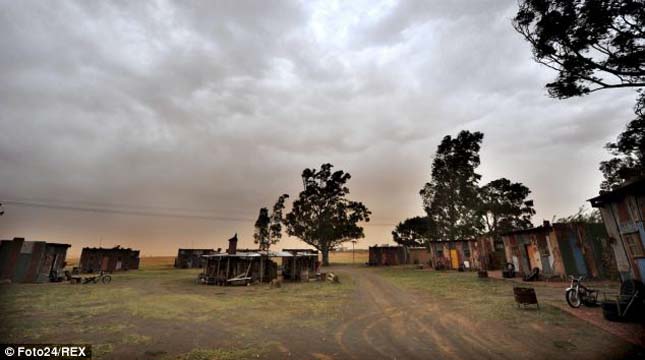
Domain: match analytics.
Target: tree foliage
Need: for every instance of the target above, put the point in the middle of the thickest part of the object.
(583, 215)
(629, 155)
(451, 197)
(505, 206)
(322, 216)
(414, 231)
(268, 227)
(593, 44)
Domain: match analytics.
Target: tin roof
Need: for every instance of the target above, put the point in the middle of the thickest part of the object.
(251, 254)
(633, 187)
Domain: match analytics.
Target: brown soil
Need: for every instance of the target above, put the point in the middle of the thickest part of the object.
(387, 322)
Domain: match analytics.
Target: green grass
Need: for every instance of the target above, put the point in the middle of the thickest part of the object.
(121, 312)
(480, 299)
(220, 354)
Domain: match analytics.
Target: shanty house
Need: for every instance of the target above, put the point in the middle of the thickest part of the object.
(419, 255)
(387, 255)
(108, 259)
(192, 258)
(30, 261)
(560, 250)
(301, 265)
(454, 254)
(491, 252)
(623, 214)
(241, 266)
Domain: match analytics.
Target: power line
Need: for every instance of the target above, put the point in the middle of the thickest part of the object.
(132, 210)
(113, 205)
(124, 211)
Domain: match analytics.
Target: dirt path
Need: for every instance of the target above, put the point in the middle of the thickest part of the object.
(386, 322)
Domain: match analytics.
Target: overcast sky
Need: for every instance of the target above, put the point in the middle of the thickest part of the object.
(213, 109)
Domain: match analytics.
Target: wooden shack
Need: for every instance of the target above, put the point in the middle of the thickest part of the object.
(560, 249)
(419, 256)
(301, 266)
(623, 214)
(30, 261)
(108, 259)
(192, 258)
(387, 255)
(455, 254)
(241, 267)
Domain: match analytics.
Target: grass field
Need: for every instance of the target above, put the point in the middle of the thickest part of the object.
(482, 299)
(488, 304)
(161, 312)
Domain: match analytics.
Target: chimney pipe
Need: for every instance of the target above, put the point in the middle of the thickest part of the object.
(232, 245)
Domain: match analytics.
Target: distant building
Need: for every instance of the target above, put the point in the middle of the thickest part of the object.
(30, 261)
(108, 259)
(387, 255)
(623, 211)
(561, 249)
(192, 258)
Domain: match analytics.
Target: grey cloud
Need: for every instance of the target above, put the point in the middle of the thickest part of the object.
(220, 105)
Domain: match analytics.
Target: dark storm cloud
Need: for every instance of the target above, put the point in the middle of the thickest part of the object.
(219, 105)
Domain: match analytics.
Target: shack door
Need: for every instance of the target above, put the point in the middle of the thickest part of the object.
(454, 258)
(574, 263)
(533, 257)
(104, 263)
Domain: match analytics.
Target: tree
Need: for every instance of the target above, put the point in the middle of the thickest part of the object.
(583, 215)
(412, 232)
(629, 156)
(593, 45)
(451, 197)
(505, 206)
(268, 228)
(322, 216)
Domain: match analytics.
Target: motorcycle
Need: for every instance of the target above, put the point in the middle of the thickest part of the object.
(578, 294)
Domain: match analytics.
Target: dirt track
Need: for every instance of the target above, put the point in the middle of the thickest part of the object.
(387, 322)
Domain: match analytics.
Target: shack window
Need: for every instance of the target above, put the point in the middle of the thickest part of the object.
(466, 250)
(439, 249)
(634, 244)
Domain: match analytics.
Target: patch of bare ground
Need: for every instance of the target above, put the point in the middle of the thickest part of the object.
(469, 318)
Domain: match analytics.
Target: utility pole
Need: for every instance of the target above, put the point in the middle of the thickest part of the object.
(353, 253)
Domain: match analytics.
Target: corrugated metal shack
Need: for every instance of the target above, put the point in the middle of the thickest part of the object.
(623, 212)
(560, 250)
(387, 255)
(108, 259)
(491, 252)
(419, 255)
(241, 266)
(440, 254)
(302, 265)
(30, 261)
(455, 254)
(192, 258)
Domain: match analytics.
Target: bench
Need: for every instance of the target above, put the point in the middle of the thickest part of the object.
(525, 296)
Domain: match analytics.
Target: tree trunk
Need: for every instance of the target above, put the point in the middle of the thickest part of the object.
(325, 256)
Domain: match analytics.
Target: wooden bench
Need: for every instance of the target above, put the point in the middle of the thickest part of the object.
(525, 296)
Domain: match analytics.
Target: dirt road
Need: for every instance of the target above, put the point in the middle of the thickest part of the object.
(388, 322)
